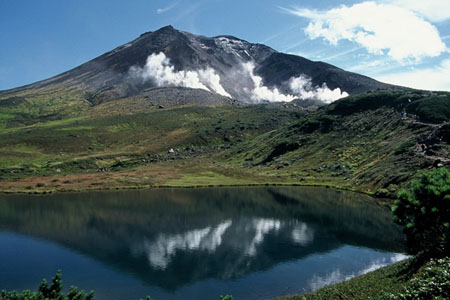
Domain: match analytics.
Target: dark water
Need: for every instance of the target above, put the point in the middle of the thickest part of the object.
(252, 243)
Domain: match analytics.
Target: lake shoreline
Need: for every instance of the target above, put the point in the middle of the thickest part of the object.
(376, 284)
(37, 191)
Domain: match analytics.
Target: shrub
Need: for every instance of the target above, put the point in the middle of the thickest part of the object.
(309, 125)
(424, 213)
(434, 109)
(433, 283)
(404, 147)
(52, 292)
(364, 102)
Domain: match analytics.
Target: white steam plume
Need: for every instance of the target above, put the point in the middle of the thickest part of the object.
(301, 88)
(159, 69)
(262, 92)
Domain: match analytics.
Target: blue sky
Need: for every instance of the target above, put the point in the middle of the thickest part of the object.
(400, 41)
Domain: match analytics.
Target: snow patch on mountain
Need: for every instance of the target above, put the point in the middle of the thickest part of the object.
(236, 47)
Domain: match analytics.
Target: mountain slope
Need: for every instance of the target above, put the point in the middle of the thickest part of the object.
(365, 142)
(108, 76)
(113, 116)
(362, 143)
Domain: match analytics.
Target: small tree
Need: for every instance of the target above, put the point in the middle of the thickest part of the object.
(424, 213)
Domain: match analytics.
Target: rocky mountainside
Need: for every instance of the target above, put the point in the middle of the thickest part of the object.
(224, 67)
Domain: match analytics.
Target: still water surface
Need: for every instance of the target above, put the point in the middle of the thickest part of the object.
(252, 243)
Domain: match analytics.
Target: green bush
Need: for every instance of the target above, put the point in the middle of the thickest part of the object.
(404, 147)
(434, 109)
(52, 292)
(424, 213)
(433, 283)
(326, 123)
(364, 102)
(308, 125)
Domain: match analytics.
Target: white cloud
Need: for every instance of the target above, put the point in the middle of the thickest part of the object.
(433, 10)
(160, 11)
(159, 69)
(379, 28)
(428, 78)
(344, 53)
(362, 66)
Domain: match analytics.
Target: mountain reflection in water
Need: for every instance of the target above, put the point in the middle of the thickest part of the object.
(250, 233)
(173, 238)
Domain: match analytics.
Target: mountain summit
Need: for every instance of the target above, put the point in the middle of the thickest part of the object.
(171, 64)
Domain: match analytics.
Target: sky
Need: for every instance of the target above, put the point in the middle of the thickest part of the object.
(404, 42)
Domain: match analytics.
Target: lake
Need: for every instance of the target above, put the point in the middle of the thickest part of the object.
(252, 243)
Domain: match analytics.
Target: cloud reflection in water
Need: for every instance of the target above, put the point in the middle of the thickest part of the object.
(338, 275)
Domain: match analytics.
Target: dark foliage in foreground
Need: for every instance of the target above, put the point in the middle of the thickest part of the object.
(433, 282)
(52, 292)
(424, 213)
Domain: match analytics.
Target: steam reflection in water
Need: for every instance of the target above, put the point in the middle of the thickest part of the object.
(252, 232)
(252, 243)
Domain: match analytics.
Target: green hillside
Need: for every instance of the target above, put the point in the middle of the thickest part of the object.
(363, 142)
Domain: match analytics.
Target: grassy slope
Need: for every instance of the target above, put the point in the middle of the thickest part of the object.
(358, 143)
(129, 141)
(404, 280)
(373, 285)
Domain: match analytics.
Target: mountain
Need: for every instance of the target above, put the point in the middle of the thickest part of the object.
(224, 67)
(170, 109)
